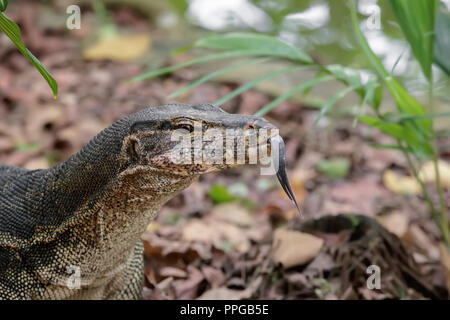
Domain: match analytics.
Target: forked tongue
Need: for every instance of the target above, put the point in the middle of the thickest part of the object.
(281, 172)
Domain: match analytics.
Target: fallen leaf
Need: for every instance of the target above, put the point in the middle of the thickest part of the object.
(167, 272)
(233, 212)
(293, 248)
(427, 173)
(322, 262)
(47, 116)
(355, 196)
(401, 184)
(153, 226)
(214, 276)
(187, 289)
(198, 230)
(223, 294)
(118, 48)
(232, 234)
(236, 283)
(231, 294)
(218, 233)
(154, 294)
(417, 237)
(6, 144)
(396, 222)
(36, 163)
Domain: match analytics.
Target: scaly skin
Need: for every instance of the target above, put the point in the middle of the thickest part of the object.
(88, 213)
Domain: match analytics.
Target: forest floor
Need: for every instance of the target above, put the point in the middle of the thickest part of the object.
(232, 235)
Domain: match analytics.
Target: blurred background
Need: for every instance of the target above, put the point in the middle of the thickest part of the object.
(236, 235)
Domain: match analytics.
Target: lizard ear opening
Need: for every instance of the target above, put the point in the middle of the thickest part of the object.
(134, 150)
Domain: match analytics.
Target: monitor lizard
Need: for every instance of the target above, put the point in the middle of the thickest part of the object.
(73, 231)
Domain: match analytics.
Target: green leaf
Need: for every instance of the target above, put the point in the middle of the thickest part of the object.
(265, 44)
(387, 147)
(173, 219)
(406, 103)
(208, 58)
(371, 91)
(373, 59)
(12, 30)
(255, 82)
(417, 19)
(304, 86)
(219, 194)
(338, 96)
(180, 6)
(27, 147)
(374, 92)
(442, 41)
(212, 75)
(408, 134)
(426, 116)
(3, 5)
(347, 75)
(335, 168)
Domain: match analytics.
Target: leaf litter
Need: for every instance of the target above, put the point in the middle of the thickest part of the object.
(233, 242)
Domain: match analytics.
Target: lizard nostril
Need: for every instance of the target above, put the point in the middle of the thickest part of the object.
(250, 126)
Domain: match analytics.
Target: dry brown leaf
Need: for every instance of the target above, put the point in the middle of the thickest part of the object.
(168, 271)
(355, 196)
(38, 120)
(445, 259)
(396, 222)
(214, 276)
(187, 289)
(216, 233)
(153, 226)
(198, 230)
(36, 163)
(222, 294)
(231, 294)
(232, 234)
(81, 133)
(322, 262)
(119, 48)
(233, 212)
(401, 184)
(6, 144)
(417, 237)
(427, 173)
(293, 248)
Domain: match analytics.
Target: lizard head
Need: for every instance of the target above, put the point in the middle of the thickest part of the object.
(196, 139)
(190, 140)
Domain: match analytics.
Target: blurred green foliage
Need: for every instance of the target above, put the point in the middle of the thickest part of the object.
(411, 125)
(335, 168)
(12, 30)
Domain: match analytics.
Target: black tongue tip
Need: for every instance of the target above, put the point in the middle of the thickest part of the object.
(281, 172)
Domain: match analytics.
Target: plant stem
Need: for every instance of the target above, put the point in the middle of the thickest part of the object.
(433, 210)
(443, 207)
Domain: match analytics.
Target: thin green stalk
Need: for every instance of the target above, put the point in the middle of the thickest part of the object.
(411, 165)
(443, 207)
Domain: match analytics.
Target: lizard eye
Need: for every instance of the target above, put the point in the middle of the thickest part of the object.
(186, 126)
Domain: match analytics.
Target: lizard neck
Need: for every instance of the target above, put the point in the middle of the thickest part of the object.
(99, 236)
(133, 200)
(47, 201)
(101, 242)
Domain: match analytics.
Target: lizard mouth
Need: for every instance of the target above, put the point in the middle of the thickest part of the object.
(281, 170)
